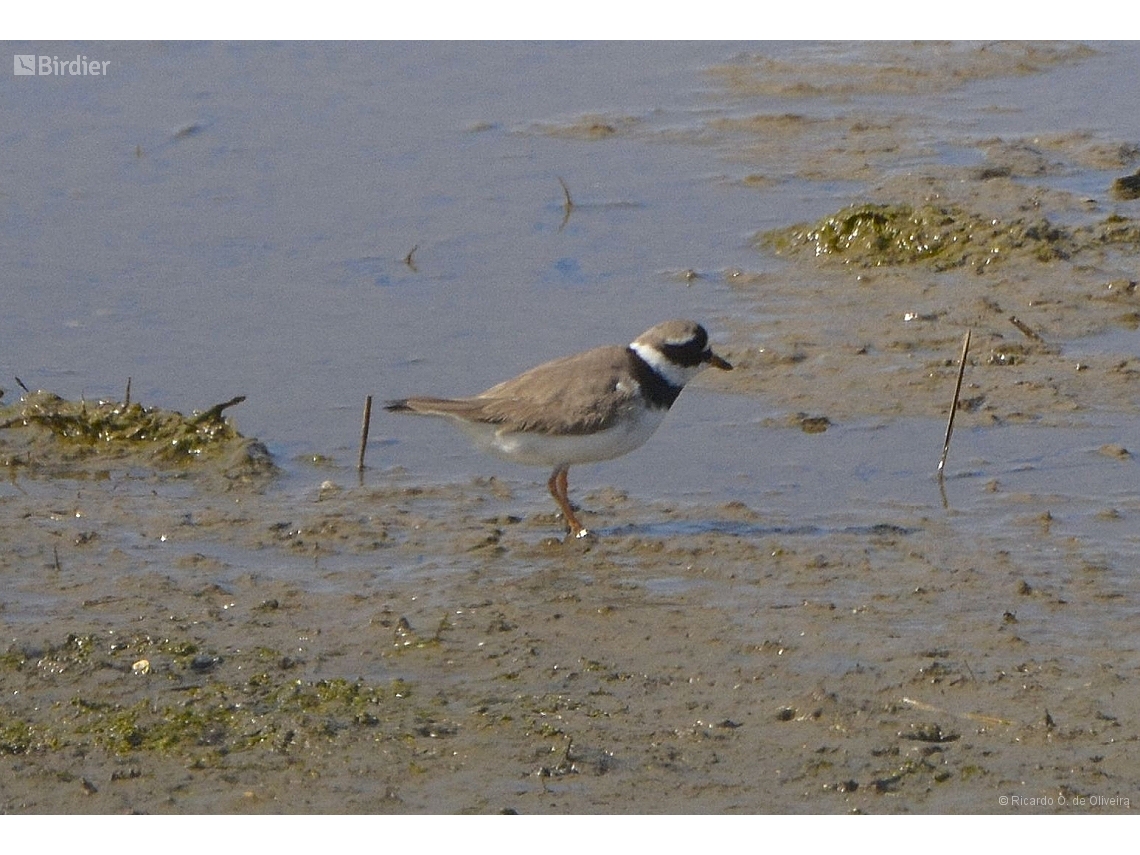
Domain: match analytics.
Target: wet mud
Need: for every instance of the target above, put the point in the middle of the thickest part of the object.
(445, 656)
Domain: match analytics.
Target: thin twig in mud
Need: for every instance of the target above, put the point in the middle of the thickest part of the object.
(214, 414)
(954, 403)
(1026, 330)
(55, 551)
(978, 717)
(408, 258)
(444, 624)
(127, 397)
(364, 432)
(567, 206)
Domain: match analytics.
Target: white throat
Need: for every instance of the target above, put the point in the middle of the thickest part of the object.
(674, 374)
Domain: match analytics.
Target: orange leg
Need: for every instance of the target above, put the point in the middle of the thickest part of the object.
(560, 490)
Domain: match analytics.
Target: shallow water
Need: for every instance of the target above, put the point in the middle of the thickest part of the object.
(210, 220)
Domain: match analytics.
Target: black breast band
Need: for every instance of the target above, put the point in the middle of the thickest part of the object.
(656, 389)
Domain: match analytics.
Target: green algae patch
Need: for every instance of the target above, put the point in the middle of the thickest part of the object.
(43, 431)
(226, 717)
(940, 237)
(18, 736)
(943, 237)
(251, 700)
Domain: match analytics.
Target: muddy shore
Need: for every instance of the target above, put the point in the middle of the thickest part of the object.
(506, 670)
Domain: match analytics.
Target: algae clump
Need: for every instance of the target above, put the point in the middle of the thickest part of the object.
(942, 237)
(43, 430)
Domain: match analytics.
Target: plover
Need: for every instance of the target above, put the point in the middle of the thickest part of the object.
(592, 406)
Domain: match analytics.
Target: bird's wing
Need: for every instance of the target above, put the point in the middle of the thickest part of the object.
(573, 395)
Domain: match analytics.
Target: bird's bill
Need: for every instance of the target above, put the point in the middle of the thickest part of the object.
(716, 362)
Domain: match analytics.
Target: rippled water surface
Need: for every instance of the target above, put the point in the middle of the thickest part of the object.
(310, 224)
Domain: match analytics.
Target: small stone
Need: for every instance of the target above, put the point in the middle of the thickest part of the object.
(1114, 450)
(1127, 188)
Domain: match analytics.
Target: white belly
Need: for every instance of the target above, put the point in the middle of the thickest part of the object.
(540, 449)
